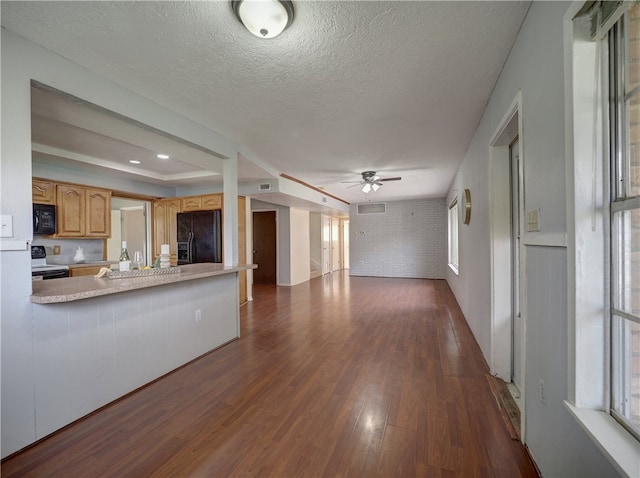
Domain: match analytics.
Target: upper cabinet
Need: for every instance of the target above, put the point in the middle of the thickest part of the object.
(43, 192)
(202, 203)
(70, 211)
(82, 212)
(98, 213)
(165, 226)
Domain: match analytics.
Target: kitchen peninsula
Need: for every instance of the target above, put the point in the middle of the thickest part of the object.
(98, 339)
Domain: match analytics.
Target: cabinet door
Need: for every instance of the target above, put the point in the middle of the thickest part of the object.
(212, 201)
(159, 226)
(192, 204)
(43, 192)
(173, 208)
(165, 226)
(242, 247)
(98, 222)
(70, 215)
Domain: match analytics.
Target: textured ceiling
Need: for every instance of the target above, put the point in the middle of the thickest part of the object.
(395, 87)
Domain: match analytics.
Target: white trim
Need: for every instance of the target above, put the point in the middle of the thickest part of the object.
(545, 239)
(13, 245)
(500, 237)
(615, 443)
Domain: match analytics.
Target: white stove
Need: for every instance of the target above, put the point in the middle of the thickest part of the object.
(39, 266)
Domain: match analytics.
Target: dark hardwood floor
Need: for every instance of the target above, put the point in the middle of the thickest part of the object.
(340, 376)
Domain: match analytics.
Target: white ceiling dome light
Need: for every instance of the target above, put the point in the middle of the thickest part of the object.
(264, 18)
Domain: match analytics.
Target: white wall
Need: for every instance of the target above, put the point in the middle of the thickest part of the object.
(23, 61)
(300, 246)
(535, 67)
(409, 240)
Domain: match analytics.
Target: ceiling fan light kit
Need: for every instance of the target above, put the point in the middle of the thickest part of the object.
(371, 181)
(264, 18)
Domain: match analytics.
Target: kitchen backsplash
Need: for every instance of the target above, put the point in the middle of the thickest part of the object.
(93, 249)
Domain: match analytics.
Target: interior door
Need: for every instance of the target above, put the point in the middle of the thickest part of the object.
(326, 244)
(264, 247)
(335, 244)
(345, 244)
(516, 317)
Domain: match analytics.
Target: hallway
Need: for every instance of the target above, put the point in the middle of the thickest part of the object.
(339, 376)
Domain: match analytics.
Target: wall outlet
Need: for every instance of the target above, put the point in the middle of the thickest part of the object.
(56, 250)
(198, 315)
(542, 396)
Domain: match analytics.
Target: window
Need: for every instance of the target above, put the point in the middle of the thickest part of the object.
(624, 139)
(453, 235)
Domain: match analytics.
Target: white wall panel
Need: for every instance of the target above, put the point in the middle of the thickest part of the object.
(90, 352)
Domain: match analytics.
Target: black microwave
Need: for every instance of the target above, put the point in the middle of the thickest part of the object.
(44, 219)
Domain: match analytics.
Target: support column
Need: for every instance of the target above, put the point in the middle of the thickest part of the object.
(230, 208)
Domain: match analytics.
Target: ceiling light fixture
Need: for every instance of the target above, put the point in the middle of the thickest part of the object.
(264, 18)
(134, 161)
(366, 188)
(162, 156)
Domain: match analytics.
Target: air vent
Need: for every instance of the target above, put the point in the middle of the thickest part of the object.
(372, 208)
(264, 187)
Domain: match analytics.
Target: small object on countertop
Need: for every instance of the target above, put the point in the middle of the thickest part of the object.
(125, 262)
(165, 256)
(79, 257)
(102, 272)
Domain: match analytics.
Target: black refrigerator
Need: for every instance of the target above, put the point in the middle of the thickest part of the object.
(199, 237)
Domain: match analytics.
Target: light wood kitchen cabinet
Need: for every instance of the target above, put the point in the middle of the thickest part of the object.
(212, 201)
(43, 192)
(85, 271)
(242, 247)
(71, 211)
(98, 213)
(207, 202)
(82, 212)
(165, 226)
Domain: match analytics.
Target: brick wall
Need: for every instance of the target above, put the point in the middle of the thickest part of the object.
(409, 240)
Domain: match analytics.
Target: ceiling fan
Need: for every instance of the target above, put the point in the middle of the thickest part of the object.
(370, 181)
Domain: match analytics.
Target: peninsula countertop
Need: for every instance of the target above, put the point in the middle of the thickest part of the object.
(77, 288)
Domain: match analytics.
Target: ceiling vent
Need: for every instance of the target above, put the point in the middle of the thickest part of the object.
(372, 208)
(264, 187)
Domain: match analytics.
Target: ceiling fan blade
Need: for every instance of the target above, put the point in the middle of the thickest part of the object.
(353, 185)
(345, 182)
(397, 178)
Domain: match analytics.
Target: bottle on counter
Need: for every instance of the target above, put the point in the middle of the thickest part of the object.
(125, 261)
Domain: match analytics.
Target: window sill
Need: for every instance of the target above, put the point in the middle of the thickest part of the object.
(620, 448)
(454, 269)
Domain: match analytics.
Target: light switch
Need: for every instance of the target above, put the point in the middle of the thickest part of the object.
(533, 220)
(6, 226)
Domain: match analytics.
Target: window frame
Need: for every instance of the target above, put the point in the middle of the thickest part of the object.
(588, 297)
(453, 229)
(623, 204)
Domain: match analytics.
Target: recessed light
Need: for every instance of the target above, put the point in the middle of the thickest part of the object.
(162, 156)
(134, 161)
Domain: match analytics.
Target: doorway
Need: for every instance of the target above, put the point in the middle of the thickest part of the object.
(130, 221)
(516, 316)
(264, 247)
(335, 244)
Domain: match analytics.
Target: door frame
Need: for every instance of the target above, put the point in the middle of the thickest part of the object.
(277, 240)
(501, 250)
